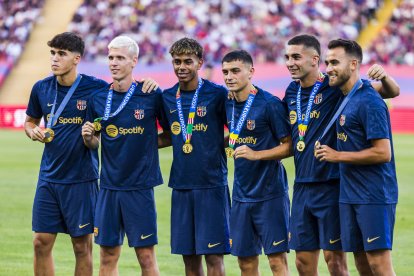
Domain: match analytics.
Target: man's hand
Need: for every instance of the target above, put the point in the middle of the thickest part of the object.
(245, 152)
(88, 132)
(37, 134)
(325, 153)
(376, 72)
(149, 85)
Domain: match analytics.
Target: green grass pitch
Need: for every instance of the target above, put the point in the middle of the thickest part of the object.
(19, 165)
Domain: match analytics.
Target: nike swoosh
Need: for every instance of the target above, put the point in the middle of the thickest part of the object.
(277, 243)
(373, 239)
(334, 241)
(172, 111)
(83, 225)
(49, 104)
(292, 102)
(147, 236)
(213, 245)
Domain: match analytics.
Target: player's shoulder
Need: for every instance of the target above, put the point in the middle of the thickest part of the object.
(213, 86)
(92, 82)
(367, 95)
(171, 90)
(266, 96)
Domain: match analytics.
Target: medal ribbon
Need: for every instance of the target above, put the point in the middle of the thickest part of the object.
(124, 102)
(234, 133)
(303, 124)
(187, 132)
(356, 86)
(53, 115)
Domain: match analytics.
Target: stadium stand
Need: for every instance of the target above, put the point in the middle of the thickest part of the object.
(17, 19)
(261, 27)
(395, 42)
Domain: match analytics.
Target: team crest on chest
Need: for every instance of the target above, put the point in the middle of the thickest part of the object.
(342, 120)
(201, 111)
(318, 98)
(251, 124)
(139, 114)
(81, 105)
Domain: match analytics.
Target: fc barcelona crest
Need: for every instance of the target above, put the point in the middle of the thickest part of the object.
(342, 120)
(201, 111)
(251, 124)
(318, 98)
(139, 114)
(81, 105)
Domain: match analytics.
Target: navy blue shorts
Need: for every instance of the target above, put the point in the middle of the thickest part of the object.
(259, 224)
(64, 208)
(200, 221)
(314, 221)
(367, 227)
(126, 212)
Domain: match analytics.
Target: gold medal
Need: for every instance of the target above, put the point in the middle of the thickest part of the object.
(97, 126)
(187, 148)
(300, 146)
(229, 152)
(49, 135)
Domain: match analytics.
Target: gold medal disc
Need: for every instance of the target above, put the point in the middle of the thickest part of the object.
(229, 152)
(187, 148)
(300, 146)
(49, 135)
(97, 126)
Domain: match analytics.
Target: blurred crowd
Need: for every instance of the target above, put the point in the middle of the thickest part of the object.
(17, 18)
(395, 43)
(261, 27)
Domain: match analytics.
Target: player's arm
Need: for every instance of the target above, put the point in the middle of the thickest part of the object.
(164, 139)
(149, 85)
(380, 152)
(90, 136)
(387, 87)
(281, 151)
(32, 129)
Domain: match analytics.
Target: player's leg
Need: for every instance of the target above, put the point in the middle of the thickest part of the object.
(278, 263)
(377, 227)
(77, 202)
(271, 221)
(109, 257)
(139, 218)
(193, 265)
(183, 231)
(109, 233)
(43, 259)
(325, 207)
(249, 266)
(245, 241)
(336, 262)
(307, 262)
(351, 238)
(47, 221)
(304, 233)
(211, 220)
(361, 263)
(380, 262)
(215, 265)
(82, 248)
(147, 261)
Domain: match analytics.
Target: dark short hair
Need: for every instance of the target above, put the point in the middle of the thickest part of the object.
(309, 41)
(241, 55)
(68, 41)
(351, 47)
(187, 46)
